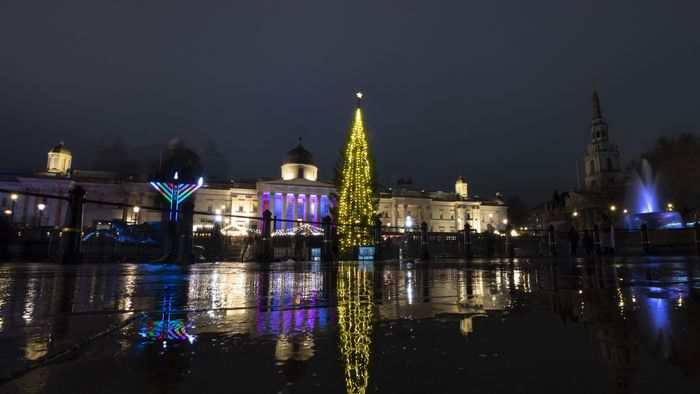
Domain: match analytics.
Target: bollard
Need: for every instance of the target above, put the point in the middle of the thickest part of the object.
(266, 253)
(510, 246)
(468, 252)
(378, 255)
(596, 239)
(327, 247)
(72, 232)
(645, 239)
(552, 241)
(697, 236)
(424, 255)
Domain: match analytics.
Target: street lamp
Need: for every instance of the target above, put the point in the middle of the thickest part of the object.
(14, 198)
(670, 206)
(8, 212)
(136, 214)
(575, 214)
(41, 207)
(613, 208)
(624, 211)
(218, 217)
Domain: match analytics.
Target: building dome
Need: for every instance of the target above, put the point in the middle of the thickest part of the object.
(299, 163)
(60, 148)
(59, 159)
(299, 155)
(461, 188)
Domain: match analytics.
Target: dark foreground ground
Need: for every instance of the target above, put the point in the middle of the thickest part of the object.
(538, 325)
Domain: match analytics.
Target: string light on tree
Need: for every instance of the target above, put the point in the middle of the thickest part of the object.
(356, 200)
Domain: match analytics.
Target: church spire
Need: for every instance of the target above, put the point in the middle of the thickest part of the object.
(597, 113)
(599, 128)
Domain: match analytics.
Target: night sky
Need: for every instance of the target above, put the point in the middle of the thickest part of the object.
(497, 91)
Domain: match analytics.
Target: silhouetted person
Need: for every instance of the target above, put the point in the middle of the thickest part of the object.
(573, 240)
(606, 235)
(217, 243)
(588, 242)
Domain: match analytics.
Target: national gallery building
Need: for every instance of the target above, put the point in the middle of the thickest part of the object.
(297, 196)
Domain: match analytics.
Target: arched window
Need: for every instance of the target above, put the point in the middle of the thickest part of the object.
(609, 163)
(300, 172)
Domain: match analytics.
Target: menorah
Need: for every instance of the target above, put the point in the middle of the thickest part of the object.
(176, 192)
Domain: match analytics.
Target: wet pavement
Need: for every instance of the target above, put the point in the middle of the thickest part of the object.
(546, 326)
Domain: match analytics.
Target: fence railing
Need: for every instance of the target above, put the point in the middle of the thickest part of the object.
(144, 243)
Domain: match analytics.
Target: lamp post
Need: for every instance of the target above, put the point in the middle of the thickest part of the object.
(670, 207)
(14, 198)
(41, 207)
(136, 214)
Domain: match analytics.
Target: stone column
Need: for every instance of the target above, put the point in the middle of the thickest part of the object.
(283, 224)
(295, 208)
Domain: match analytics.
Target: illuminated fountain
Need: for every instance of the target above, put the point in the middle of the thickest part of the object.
(646, 203)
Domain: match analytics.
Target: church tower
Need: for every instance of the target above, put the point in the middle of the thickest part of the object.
(602, 159)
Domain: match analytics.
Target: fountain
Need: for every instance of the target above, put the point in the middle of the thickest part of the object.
(646, 203)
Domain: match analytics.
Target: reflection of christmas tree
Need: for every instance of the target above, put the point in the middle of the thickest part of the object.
(355, 304)
(356, 204)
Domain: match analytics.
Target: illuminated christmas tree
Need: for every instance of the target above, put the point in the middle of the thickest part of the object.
(356, 205)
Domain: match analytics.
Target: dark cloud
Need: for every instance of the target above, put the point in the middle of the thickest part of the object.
(498, 91)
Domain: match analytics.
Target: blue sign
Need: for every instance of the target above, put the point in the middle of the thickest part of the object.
(365, 253)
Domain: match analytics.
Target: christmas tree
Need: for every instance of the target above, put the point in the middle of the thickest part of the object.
(356, 195)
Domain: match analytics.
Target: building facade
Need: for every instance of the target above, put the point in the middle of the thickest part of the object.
(406, 207)
(297, 197)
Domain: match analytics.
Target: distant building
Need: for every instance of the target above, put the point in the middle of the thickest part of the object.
(405, 206)
(238, 204)
(602, 159)
(602, 189)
